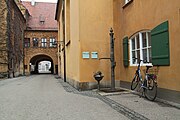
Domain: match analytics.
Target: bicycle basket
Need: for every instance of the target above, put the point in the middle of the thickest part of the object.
(152, 71)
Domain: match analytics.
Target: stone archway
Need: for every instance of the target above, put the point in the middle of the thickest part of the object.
(34, 61)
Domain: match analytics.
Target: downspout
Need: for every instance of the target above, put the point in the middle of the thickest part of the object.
(63, 21)
(23, 52)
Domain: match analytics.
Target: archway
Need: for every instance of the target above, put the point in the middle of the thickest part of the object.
(37, 61)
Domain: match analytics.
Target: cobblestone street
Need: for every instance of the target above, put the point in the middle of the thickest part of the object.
(43, 97)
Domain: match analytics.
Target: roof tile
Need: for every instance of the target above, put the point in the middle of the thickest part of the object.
(42, 16)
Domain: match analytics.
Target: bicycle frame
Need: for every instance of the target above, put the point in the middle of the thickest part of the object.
(148, 85)
(138, 71)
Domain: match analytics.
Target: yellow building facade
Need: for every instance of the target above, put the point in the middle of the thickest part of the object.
(83, 39)
(158, 18)
(149, 30)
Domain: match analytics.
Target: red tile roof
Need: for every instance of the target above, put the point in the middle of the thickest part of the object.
(42, 16)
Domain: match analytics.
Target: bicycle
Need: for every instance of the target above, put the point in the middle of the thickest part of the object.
(148, 85)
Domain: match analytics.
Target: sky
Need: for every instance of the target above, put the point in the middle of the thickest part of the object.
(51, 1)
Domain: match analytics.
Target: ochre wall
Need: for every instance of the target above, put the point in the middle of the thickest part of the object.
(96, 19)
(88, 31)
(72, 35)
(147, 14)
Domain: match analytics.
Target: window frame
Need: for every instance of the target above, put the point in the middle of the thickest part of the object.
(27, 42)
(43, 42)
(141, 48)
(35, 39)
(53, 42)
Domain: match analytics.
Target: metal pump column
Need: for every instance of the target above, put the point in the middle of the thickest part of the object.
(113, 63)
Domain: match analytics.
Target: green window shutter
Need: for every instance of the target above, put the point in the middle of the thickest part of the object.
(160, 44)
(125, 52)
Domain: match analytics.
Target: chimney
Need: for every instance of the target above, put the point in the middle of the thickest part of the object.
(33, 2)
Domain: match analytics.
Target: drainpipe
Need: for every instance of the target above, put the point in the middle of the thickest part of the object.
(23, 52)
(64, 52)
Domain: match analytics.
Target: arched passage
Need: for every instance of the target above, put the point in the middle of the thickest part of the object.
(34, 63)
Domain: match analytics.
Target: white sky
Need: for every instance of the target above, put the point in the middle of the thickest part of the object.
(51, 1)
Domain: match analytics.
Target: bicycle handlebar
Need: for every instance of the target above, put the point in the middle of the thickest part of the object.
(139, 64)
(145, 61)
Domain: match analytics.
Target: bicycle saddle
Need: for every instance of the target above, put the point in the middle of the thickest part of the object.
(149, 66)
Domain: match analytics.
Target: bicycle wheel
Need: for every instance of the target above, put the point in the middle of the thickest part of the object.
(135, 82)
(151, 91)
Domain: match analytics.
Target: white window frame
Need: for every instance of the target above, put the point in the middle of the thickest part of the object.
(43, 42)
(141, 48)
(52, 42)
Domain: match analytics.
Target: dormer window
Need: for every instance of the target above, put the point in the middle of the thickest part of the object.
(41, 19)
(33, 3)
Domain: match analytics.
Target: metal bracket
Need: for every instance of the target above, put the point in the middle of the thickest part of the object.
(104, 58)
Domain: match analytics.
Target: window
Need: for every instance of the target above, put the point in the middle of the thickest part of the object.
(43, 42)
(52, 42)
(152, 46)
(41, 20)
(140, 47)
(35, 42)
(26, 42)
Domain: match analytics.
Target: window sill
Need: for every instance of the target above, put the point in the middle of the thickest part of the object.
(125, 5)
(142, 64)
